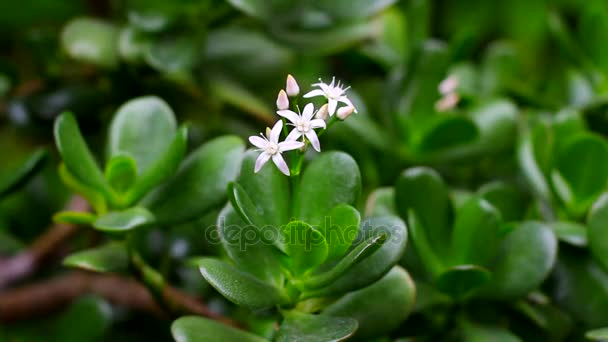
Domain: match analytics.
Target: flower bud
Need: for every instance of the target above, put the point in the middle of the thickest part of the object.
(292, 87)
(268, 130)
(323, 112)
(282, 100)
(448, 102)
(345, 112)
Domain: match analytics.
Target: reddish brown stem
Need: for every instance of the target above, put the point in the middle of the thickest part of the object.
(28, 261)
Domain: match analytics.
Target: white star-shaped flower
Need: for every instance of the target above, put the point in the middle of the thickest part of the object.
(272, 148)
(334, 94)
(304, 125)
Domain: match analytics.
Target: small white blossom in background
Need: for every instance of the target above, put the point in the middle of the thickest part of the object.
(448, 102)
(450, 98)
(304, 125)
(292, 87)
(334, 93)
(282, 100)
(271, 148)
(448, 85)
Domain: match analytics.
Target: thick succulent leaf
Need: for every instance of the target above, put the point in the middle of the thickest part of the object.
(123, 221)
(111, 257)
(473, 332)
(422, 190)
(21, 174)
(532, 168)
(581, 172)
(87, 319)
(91, 40)
(580, 287)
(306, 247)
(381, 202)
(476, 233)
(121, 172)
(356, 255)
(199, 329)
(200, 183)
(141, 128)
(597, 229)
(304, 327)
(340, 227)
(446, 134)
(76, 154)
(597, 334)
(331, 179)
(375, 266)
(93, 196)
(379, 308)
(245, 247)
(462, 280)
(238, 286)
(572, 233)
(271, 190)
(350, 9)
(506, 198)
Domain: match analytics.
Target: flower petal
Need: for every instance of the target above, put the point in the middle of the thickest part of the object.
(313, 93)
(347, 102)
(262, 159)
(309, 111)
(331, 106)
(276, 132)
(317, 123)
(314, 140)
(289, 115)
(258, 142)
(278, 160)
(289, 145)
(293, 135)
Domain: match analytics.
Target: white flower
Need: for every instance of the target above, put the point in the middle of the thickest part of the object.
(448, 102)
(292, 87)
(345, 112)
(334, 94)
(304, 125)
(282, 100)
(272, 148)
(449, 85)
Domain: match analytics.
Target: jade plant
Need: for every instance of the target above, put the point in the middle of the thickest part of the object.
(295, 244)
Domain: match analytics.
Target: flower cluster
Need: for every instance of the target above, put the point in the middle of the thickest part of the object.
(303, 123)
(448, 88)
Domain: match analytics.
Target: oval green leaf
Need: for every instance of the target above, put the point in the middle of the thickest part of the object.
(303, 327)
(199, 329)
(122, 221)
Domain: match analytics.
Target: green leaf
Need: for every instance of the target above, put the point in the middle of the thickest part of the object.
(597, 225)
(18, 176)
(531, 168)
(476, 233)
(350, 9)
(174, 55)
(581, 171)
(132, 44)
(381, 202)
(379, 308)
(94, 197)
(199, 329)
(447, 133)
(422, 190)
(376, 265)
(255, 8)
(340, 228)
(87, 319)
(141, 128)
(462, 280)
(303, 327)
(506, 198)
(122, 221)
(526, 256)
(356, 255)
(121, 172)
(428, 257)
(75, 217)
(473, 332)
(305, 246)
(497, 123)
(91, 40)
(331, 179)
(572, 233)
(161, 169)
(244, 246)
(76, 155)
(111, 257)
(598, 334)
(200, 183)
(238, 286)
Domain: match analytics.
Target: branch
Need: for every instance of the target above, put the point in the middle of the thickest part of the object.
(52, 295)
(28, 261)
